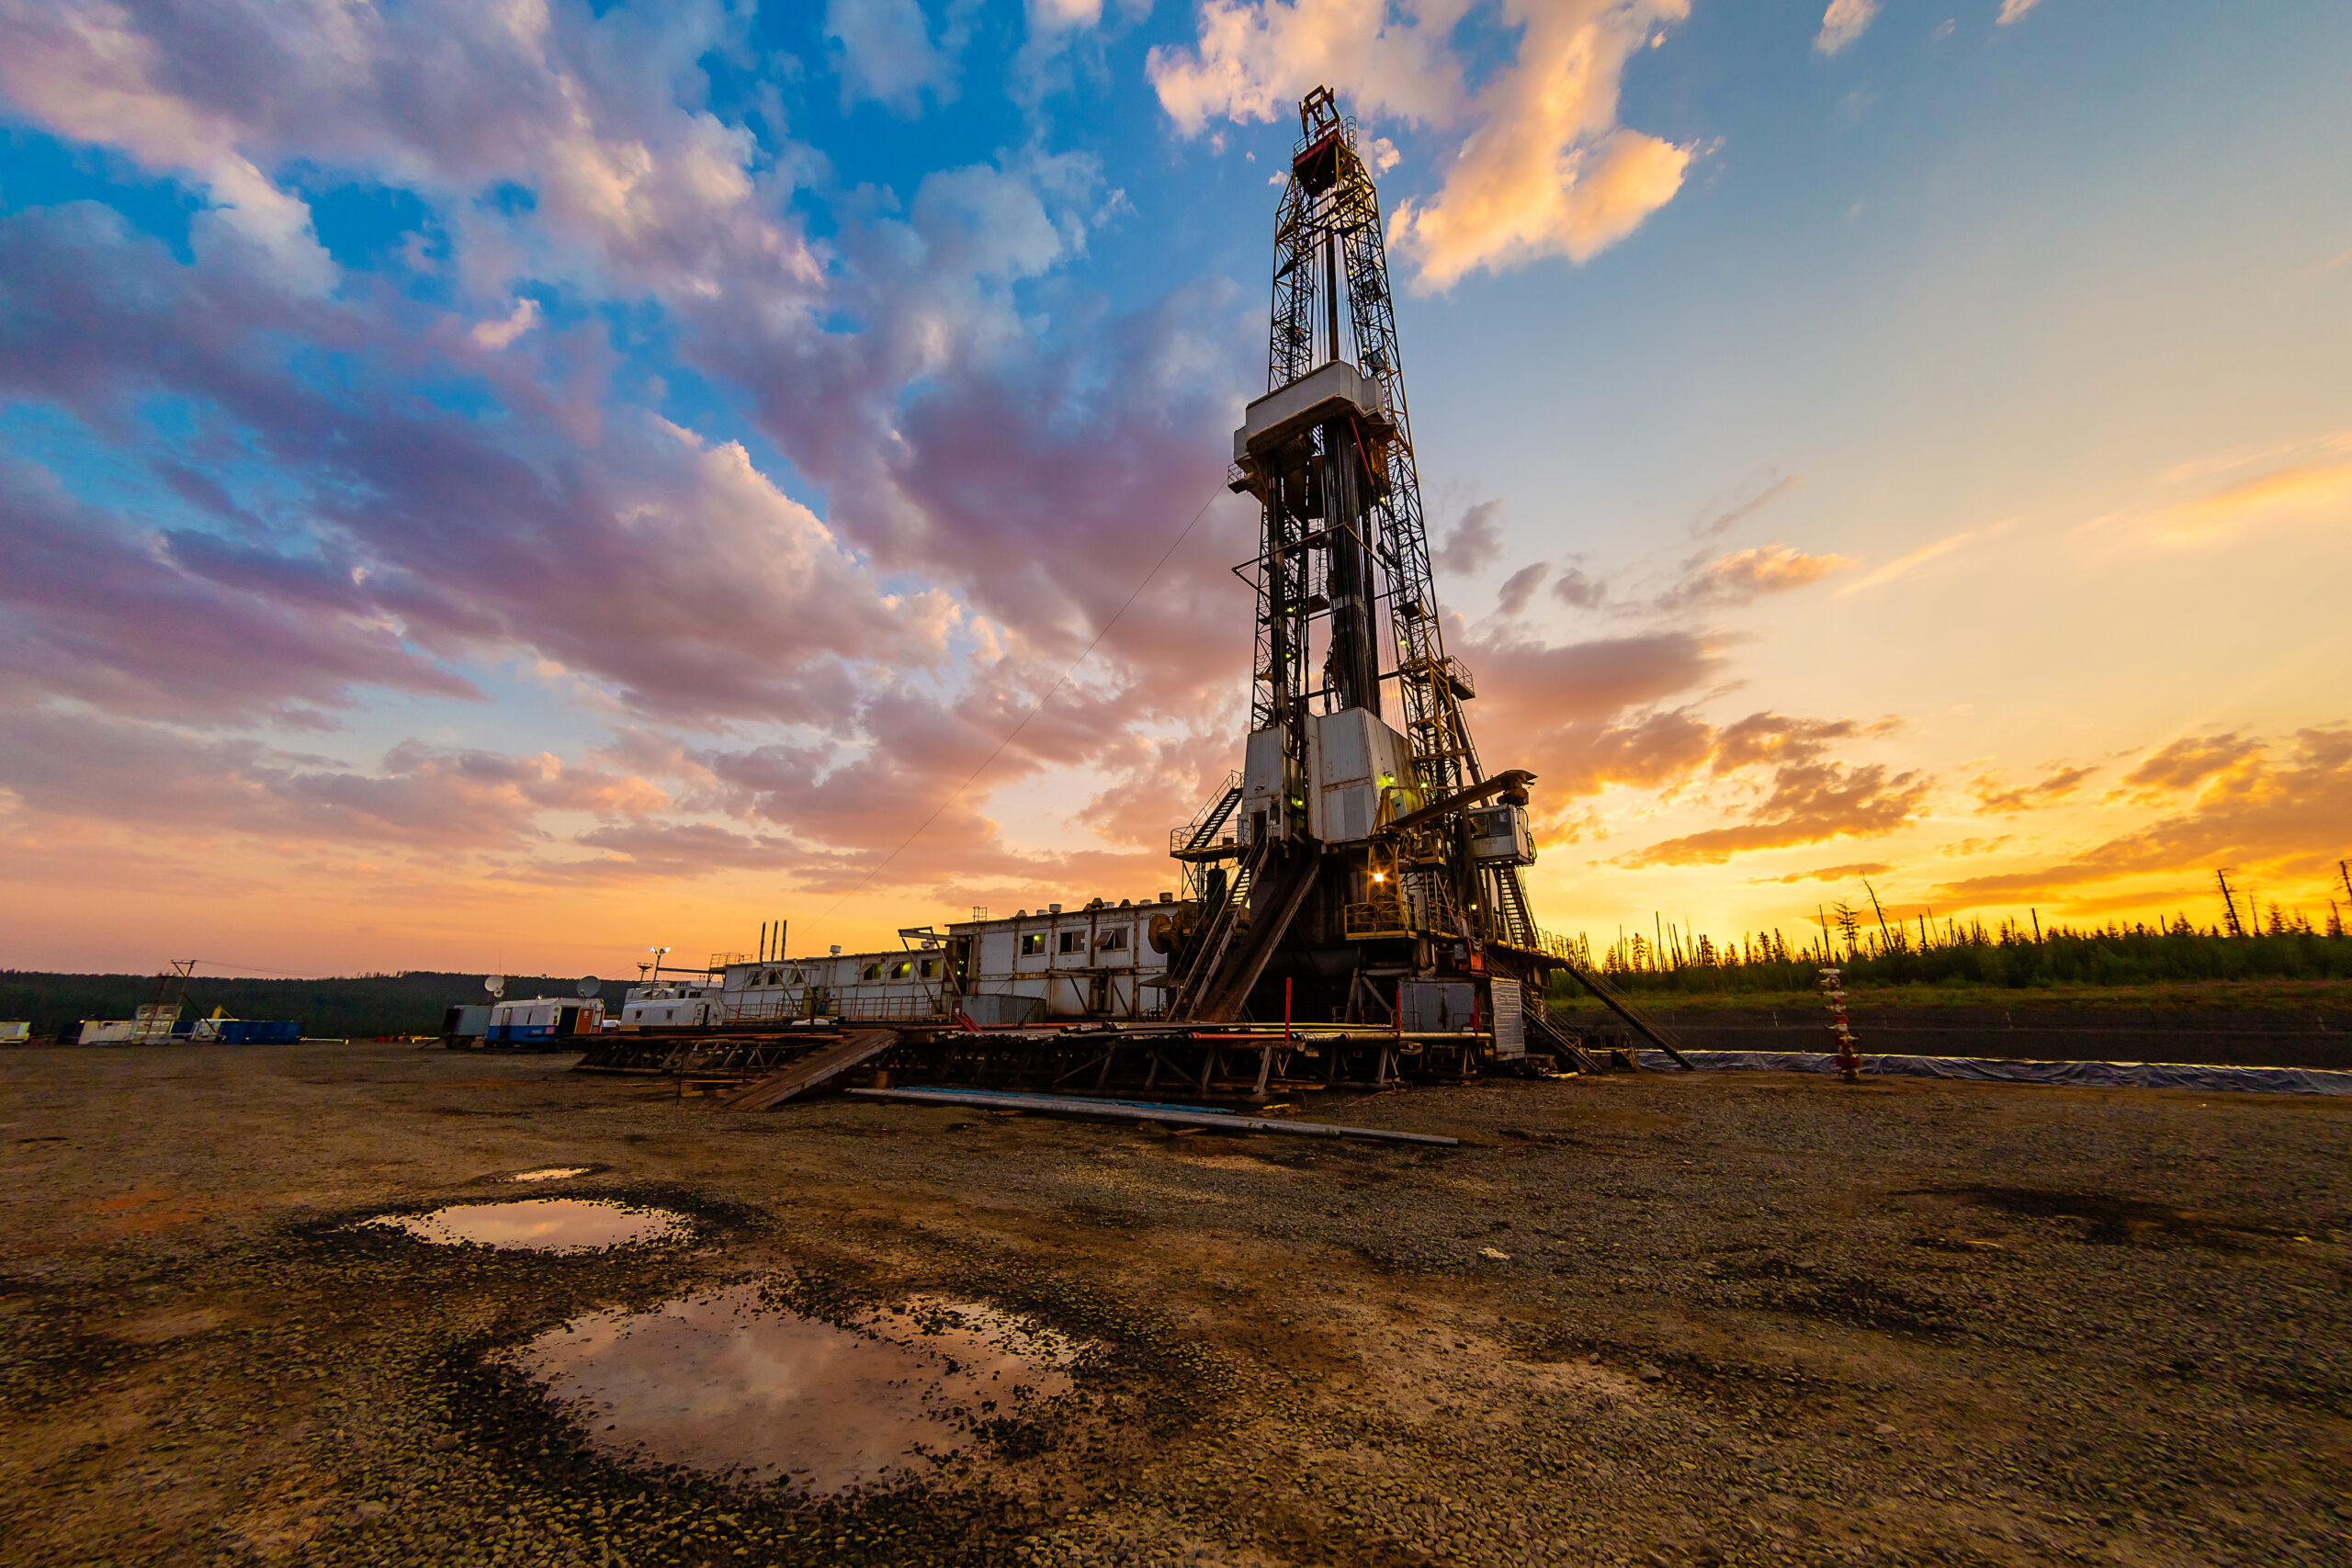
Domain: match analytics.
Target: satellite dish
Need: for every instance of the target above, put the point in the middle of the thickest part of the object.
(495, 985)
(588, 986)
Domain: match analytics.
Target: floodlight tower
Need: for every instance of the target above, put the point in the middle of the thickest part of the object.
(1366, 851)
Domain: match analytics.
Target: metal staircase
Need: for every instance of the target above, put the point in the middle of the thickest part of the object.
(1279, 886)
(1517, 924)
(1201, 832)
(1227, 916)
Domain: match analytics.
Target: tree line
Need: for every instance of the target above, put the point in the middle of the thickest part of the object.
(1871, 948)
(345, 1006)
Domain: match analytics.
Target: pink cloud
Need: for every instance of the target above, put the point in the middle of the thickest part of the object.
(100, 615)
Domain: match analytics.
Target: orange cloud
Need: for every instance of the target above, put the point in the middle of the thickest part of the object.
(1972, 846)
(1749, 574)
(1810, 802)
(1995, 795)
(2299, 492)
(1833, 872)
(1916, 558)
(1549, 172)
(2186, 763)
(2286, 817)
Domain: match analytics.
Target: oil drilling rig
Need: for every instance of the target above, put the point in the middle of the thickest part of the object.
(1353, 908)
(1362, 866)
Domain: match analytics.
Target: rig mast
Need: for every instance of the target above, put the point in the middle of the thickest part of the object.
(1367, 854)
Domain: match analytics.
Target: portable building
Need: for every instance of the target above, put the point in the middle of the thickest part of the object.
(1099, 960)
(544, 1017)
(673, 1004)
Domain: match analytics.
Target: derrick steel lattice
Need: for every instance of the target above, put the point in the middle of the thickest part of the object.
(1329, 251)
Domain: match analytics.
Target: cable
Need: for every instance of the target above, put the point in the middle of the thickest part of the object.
(1014, 733)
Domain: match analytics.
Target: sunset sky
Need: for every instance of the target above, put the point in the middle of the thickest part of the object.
(500, 487)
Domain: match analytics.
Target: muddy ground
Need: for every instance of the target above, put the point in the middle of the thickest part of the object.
(1722, 1318)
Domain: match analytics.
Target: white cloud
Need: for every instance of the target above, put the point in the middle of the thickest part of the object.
(1257, 58)
(634, 190)
(1845, 20)
(2011, 10)
(88, 74)
(498, 334)
(888, 54)
(1063, 15)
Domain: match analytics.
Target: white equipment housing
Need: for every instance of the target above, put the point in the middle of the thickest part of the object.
(1265, 786)
(1353, 760)
(1322, 394)
(1499, 835)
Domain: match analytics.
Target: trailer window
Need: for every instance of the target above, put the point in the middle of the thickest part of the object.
(1073, 941)
(1032, 943)
(931, 969)
(873, 972)
(902, 968)
(1114, 940)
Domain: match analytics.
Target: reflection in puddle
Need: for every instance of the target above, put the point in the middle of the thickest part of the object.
(718, 1382)
(543, 1225)
(551, 1173)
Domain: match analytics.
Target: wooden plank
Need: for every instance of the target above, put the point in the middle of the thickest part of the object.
(811, 1072)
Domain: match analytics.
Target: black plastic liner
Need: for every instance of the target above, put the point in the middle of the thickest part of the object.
(1996, 1070)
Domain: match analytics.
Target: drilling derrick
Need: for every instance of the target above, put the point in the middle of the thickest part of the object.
(1367, 859)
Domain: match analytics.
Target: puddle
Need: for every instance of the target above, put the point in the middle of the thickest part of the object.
(552, 1173)
(720, 1382)
(543, 1225)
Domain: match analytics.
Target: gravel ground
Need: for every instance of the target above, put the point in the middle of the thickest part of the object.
(1724, 1318)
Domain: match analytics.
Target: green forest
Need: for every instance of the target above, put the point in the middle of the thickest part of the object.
(1875, 952)
(342, 1007)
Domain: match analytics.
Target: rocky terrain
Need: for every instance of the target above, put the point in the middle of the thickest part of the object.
(1633, 1319)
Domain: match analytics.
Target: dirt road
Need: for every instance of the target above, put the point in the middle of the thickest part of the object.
(1721, 1318)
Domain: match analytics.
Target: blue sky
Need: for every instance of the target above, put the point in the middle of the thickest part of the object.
(495, 485)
